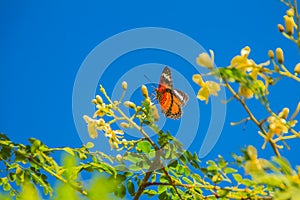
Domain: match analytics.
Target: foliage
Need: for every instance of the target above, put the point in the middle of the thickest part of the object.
(161, 167)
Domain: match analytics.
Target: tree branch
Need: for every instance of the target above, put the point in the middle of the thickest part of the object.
(237, 97)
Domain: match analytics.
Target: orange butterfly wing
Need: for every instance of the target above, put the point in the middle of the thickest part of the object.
(170, 100)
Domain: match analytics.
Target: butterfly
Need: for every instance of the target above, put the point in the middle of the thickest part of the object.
(170, 100)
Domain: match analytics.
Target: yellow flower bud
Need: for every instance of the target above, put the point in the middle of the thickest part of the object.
(99, 99)
(94, 101)
(119, 157)
(124, 125)
(279, 55)
(145, 91)
(289, 25)
(148, 101)
(271, 54)
(102, 89)
(284, 113)
(124, 85)
(280, 28)
(290, 12)
(129, 104)
(297, 69)
(276, 68)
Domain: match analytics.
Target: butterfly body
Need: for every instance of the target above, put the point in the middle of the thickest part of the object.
(170, 100)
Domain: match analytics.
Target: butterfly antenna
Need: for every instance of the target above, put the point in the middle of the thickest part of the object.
(152, 84)
(153, 97)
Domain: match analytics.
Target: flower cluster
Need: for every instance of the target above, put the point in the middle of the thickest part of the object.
(252, 70)
(105, 116)
(289, 23)
(94, 125)
(253, 79)
(279, 125)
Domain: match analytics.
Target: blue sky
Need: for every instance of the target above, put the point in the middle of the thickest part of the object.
(43, 45)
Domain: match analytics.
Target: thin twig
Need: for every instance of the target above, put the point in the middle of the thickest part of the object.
(237, 97)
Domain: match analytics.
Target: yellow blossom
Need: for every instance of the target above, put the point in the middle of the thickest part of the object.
(114, 136)
(277, 125)
(91, 126)
(205, 60)
(245, 92)
(242, 62)
(102, 109)
(197, 78)
(208, 88)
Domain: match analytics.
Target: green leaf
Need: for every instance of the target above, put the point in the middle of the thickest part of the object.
(132, 157)
(12, 177)
(69, 150)
(6, 187)
(133, 167)
(183, 159)
(229, 170)
(197, 177)
(282, 195)
(89, 145)
(150, 193)
(144, 146)
(130, 187)
(121, 168)
(187, 172)
(247, 182)
(153, 178)
(223, 193)
(20, 157)
(163, 179)
(187, 180)
(284, 165)
(237, 177)
(64, 191)
(221, 162)
(161, 189)
(35, 145)
(173, 164)
(121, 191)
(164, 196)
(82, 155)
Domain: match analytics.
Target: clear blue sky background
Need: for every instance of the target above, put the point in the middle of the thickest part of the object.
(43, 43)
